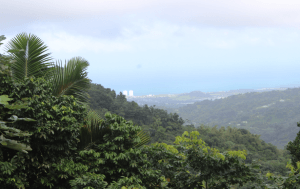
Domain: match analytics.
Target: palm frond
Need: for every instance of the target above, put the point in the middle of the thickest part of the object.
(34, 60)
(93, 131)
(71, 79)
(145, 138)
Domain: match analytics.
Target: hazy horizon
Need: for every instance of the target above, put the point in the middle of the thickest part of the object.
(168, 47)
(296, 85)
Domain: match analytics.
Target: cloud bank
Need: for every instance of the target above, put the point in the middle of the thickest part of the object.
(216, 13)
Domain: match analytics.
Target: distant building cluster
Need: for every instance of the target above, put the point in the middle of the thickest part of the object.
(130, 93)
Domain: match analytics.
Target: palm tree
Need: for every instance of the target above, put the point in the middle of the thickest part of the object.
(71, 79)
(30, 55)
(32, 59)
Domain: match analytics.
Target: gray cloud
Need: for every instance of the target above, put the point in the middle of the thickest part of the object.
(216, 13)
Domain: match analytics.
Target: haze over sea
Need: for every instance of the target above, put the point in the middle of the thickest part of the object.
(168, 47)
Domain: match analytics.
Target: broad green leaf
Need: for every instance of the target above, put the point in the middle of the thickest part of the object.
(26, 119)
(16, 106)
(13, 144)
(4, 99)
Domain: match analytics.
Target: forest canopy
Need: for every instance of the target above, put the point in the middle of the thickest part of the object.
(57, 130)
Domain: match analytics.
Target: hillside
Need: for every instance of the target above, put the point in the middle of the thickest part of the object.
(273, 115)
(164, 127)
(179, 100)
(271, 158)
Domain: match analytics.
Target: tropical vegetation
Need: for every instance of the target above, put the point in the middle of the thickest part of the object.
(51, 137)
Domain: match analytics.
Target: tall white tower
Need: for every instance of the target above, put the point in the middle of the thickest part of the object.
(125, 93)
(131, 93)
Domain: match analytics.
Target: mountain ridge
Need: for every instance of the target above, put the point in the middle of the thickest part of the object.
(273, 115)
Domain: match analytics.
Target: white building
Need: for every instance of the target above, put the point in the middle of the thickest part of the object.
(125, 93)
(131, 93)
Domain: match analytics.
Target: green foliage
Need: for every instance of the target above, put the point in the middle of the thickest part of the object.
(5, 66)
(168, 160)
(9, 132)
(268, 156)
(270, 114)
(115, 156)
(291, 181)
(8, 168)
(72, 146)
(238, 139)
(54, 135)
(163, 127)
(61, 114)
(271, 159)
(294, 149)
(4, 99)
(10, 136)
(105, 98)
(92, 131)
(218, 170)
(76, 175)
(95, 129)
(192, 164)
(59, 170)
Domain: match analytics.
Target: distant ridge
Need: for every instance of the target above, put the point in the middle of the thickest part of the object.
(169, 101)
(273, 114)
(197, 94)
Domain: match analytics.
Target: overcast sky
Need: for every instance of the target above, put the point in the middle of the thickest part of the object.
(168, 46)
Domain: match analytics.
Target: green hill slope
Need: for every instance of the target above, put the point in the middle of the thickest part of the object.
(166, 126)
(273, 115)
(271, 158)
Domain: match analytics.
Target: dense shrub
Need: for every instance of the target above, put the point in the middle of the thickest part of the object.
(54, 134)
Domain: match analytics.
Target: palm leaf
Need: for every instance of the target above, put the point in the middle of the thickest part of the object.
(34, 60)
(93, 131)
(145, 138)
(71, 79)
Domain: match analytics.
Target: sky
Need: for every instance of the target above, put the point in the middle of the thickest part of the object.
(168, 46)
